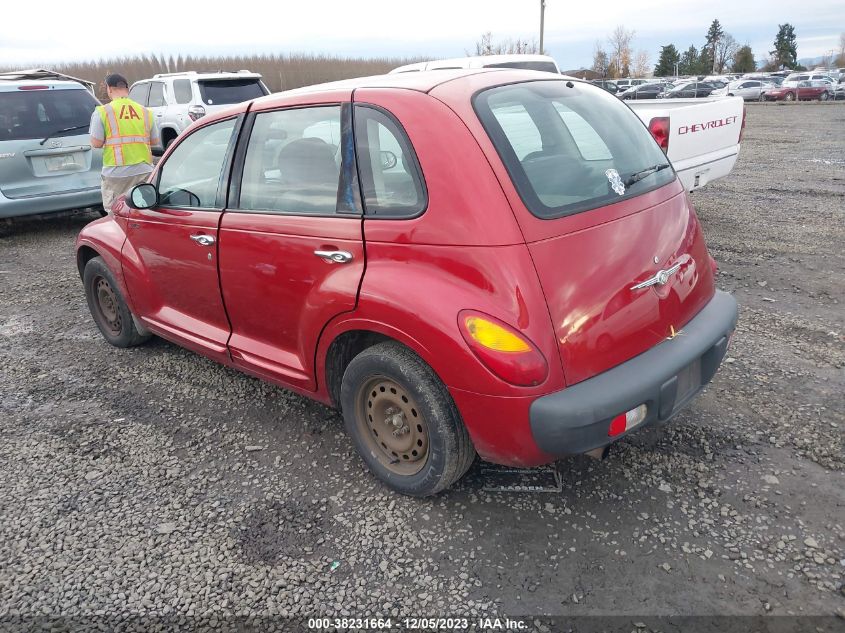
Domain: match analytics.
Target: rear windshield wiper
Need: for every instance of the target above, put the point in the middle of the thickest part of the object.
(639, 175)
(66, 129)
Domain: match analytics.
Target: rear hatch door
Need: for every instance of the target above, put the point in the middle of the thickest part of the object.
(44, 141)
(602, 213)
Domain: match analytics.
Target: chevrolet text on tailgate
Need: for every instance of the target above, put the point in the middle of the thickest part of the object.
(536, 281)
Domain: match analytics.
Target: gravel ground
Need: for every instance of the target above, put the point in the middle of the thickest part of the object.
(153, 481)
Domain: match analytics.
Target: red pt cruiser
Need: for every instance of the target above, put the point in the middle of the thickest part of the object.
(492, 262)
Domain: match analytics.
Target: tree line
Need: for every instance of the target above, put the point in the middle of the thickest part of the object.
(280, 72)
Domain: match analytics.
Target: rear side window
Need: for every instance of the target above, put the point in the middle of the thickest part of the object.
(570, 147)
(293, 162)
(139, 93)
(156, 95)
(227, 91)
(182, 91)
(391, 179)
(35, 114)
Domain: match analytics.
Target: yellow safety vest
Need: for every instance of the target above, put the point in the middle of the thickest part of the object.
(128, 127)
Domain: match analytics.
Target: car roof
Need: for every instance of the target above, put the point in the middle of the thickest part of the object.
(201, 75)
(424, 81)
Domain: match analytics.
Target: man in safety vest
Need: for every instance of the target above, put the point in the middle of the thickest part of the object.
(125, 130)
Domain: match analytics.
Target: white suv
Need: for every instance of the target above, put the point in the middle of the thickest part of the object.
(177, 99)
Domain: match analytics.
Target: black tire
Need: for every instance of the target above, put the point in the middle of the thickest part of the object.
(824, 96)
(108, 307)
(167, 139)
(789, 96)
(449, 450)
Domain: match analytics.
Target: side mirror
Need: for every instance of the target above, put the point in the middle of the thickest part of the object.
(143, 196)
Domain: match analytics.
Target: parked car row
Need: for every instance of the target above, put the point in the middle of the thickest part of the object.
(797, 86)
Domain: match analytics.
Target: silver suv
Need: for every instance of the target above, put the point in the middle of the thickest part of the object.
(46, 160)
(178, 99)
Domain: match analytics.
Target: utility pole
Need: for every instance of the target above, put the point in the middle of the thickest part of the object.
(542, 17)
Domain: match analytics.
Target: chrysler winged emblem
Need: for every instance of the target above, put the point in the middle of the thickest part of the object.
(55, 143)
(615, 181)
(661, 278)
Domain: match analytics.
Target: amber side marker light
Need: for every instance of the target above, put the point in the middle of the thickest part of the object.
(503, 350)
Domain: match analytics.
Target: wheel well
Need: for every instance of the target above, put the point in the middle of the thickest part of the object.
(84, 255)
(168, 134)
(341, 352)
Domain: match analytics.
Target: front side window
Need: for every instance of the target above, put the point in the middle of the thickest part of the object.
(391, 179)
(293, 162)
(566, 145)
(191, 176)
(156, 95)
(139, 93)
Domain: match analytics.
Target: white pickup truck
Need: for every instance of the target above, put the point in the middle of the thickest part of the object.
(701, 137)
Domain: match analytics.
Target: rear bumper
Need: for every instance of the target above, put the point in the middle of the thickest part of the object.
(576, 419)
(34, 205)
(698, 171)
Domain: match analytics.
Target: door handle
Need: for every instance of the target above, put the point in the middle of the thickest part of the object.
(203, 240)
(335, 257)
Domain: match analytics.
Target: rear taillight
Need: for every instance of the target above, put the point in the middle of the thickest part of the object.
(659, 128)
(742, 127)
(33, 87)
(196, 112)
(503, 350)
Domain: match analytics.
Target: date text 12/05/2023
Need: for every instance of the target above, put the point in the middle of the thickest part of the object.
(420, 623)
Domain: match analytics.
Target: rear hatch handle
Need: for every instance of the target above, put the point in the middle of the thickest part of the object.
(57, 150)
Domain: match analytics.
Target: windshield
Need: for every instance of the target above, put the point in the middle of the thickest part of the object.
(569, 146)
(227, 91)
(36, 114)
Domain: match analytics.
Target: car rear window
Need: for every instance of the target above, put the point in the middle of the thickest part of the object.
(548, 67)
(569, 146)
(31, 114)
(226, 91)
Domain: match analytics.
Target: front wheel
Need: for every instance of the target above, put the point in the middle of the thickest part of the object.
(790, 96)
(403, 422)
(108, 307)
(823, 96)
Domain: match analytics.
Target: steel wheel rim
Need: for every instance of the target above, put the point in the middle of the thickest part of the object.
(107, 306)
(393, 427)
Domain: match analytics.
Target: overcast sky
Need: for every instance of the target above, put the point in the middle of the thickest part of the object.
(52, 30)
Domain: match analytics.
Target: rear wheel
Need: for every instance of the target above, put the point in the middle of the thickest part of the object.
(761, 97)
(403, 421)
(108, 307)
(824, 96)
